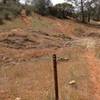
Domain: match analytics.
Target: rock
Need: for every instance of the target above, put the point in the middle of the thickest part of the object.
(72, 82)
(5, 58)
(18, 98)
(63, 59)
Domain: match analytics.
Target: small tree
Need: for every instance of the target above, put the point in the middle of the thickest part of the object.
(9, 9)
(89, 9)
(41, 6)
(97, 9)
(63, 10)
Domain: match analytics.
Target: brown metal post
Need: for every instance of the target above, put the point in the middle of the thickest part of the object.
(55, 77)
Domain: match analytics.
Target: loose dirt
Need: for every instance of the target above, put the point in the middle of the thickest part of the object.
(26, 66)
(94, 68)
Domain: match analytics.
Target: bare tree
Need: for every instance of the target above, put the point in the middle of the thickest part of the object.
(79, 4)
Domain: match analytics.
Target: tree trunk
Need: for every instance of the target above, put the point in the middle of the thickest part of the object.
(4, 1)
(82, 12)
(89, 14)
(89, 17)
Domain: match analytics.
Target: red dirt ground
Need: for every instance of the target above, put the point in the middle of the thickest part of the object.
(94, 68)
(33, 78)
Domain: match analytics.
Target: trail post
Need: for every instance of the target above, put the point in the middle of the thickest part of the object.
(55, 77)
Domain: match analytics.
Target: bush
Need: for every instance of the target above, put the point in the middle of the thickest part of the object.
(9, 11)
(41, 6)
(29, 10)
(1, 21)
(62, 10)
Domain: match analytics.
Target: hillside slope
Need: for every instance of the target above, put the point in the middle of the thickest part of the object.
(26, 70)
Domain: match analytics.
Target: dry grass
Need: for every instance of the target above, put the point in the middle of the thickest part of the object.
(33, 80)
(30, 77)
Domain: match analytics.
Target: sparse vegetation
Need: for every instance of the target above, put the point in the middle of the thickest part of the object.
(27, 44)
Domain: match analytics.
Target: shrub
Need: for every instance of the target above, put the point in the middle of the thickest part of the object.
(1, 21)
(62, 10)
(9, 11)
(29, 9)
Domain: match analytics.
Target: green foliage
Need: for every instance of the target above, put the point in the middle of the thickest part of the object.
(9, 10)
(29, 9)
(41, 6)
(62, 10)
(64, 6)
(83, 10)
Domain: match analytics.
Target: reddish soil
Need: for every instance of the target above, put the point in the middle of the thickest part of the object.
(26, 63)
(94, 68)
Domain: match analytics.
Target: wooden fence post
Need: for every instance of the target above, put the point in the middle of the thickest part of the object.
(55, 77)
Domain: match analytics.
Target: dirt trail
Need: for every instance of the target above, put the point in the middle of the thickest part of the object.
(94, 68)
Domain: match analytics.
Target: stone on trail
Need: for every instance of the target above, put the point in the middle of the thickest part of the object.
(63, 59)
(72, 82)
(18, 98)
